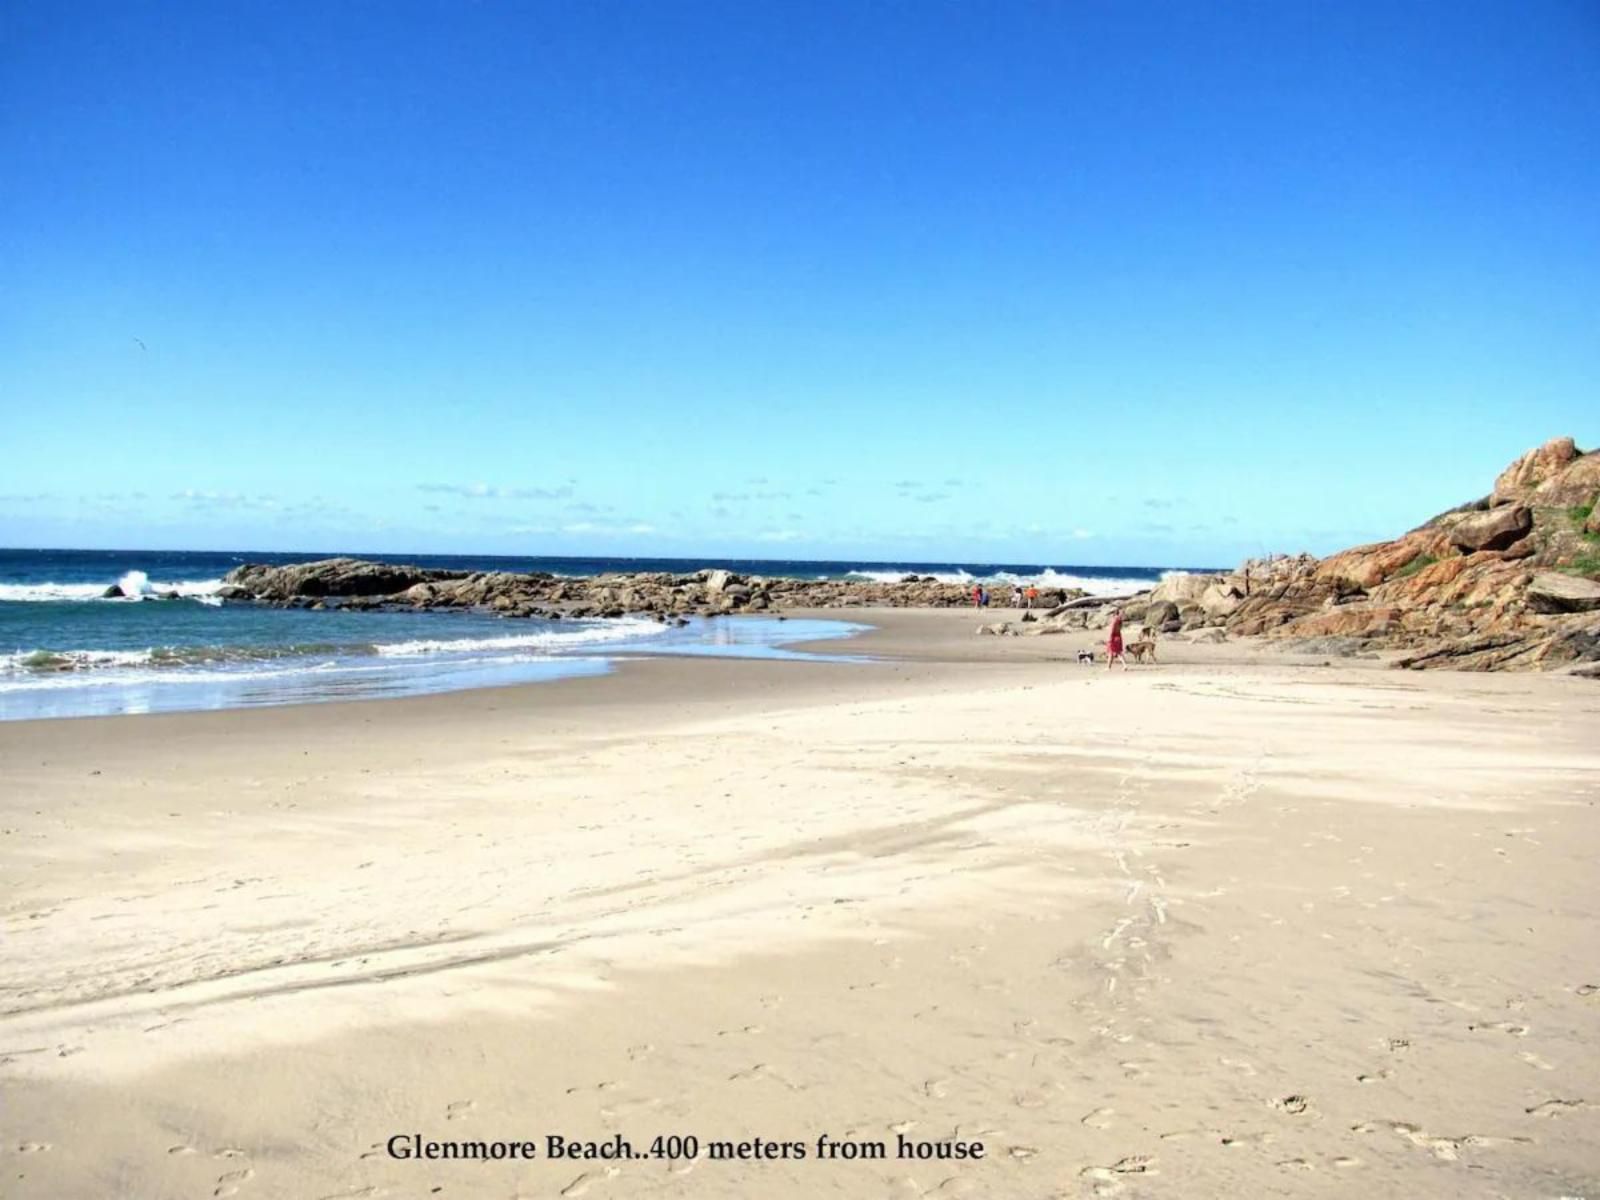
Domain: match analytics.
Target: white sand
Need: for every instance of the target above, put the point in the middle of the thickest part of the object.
(1216, 928)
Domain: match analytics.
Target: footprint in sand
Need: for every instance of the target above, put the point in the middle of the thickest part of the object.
(1443, 1148)
(1100, 1118)
(182, 1150)
(457, 1110)
(229, 1184)
(1373, 1077)
(1295, 1105)
(33, 1147)
(1533, 1060)
(1555, 1107)
(581, 1185)
(937, 1089)
(1109, 1181)
(1235, 1140)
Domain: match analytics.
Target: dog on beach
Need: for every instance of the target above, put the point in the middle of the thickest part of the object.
(1147, 634)
(1086, 656)
(1141, 650)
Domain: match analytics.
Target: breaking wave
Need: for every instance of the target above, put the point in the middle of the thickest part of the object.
(1048, 578)
(26, 668)
(134, 585)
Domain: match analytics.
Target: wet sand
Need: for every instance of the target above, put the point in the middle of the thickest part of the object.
(1238, 924)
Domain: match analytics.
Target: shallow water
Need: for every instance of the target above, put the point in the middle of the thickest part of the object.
(402, 654)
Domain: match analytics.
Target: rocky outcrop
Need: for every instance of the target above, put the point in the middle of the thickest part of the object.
(1552, 593)
(1496, 529)
(1535, 468)
(327, 577)
(1509, 582)
(357, 584)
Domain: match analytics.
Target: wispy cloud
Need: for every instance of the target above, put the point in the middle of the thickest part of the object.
(745, 497)
(781, 535)
(485, 491)
(201, 498)
(599, 529)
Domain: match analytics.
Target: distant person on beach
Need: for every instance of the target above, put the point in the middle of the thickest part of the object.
(1114, 641)
(1033, 594)
(983, 597)
(977, 595)
(1016, 595)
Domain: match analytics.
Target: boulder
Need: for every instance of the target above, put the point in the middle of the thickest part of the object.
(1592, 525)
(717, 580)
(112, 593)
(1220, 600)
(1494, 530)
(1518, 481)
(1576, 483)
(1553, 592)
(1180, 586)
(1160, 613)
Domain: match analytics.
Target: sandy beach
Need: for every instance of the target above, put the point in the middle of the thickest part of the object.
(1240, 924)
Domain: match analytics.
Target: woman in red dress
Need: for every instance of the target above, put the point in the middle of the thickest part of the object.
(1114, 641)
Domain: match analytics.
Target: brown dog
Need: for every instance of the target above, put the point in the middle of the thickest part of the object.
(1147, 633)
(1142, 650)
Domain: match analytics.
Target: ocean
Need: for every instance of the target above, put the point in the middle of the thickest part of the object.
(65, 650)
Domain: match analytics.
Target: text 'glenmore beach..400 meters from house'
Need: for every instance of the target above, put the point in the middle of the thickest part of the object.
(96, 632)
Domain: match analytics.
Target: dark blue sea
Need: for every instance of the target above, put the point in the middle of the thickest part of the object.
(65, 650)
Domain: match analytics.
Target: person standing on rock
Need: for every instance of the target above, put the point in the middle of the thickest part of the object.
(1114, 641)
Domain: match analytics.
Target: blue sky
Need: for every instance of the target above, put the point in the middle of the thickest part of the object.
(1088, 282)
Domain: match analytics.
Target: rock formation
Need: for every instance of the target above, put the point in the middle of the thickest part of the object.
(355, 584)
(1508, 582)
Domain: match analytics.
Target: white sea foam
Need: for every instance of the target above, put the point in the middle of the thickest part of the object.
(554, 639)
(72, 668)
(134, 584)
(1099, 585)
